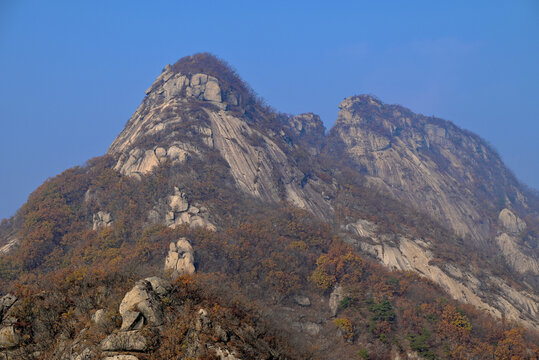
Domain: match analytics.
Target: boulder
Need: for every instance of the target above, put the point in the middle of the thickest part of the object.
(6, 302)
(132, 320)
(225, 354)
(125, 341)
(160, 286)
(86, 354)
(335, 299)
(212, 91)
(178, 202)
(144, 300)
(160, 152)
(102, 219)
(9, 338)
(99, 317)
(180, 259)
(302, 300)
(121, 357)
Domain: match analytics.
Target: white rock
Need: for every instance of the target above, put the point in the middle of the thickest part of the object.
(178, 202)
(160, 286)
(121, 357)
(302, 300)
(180, 259)
(102, 219)
(132, 320)
(511, 222)
(99, 317)
(143, 299)
(160, 152)
(213, 91)
(6, 302)
(199, 79)
(9, 337)
(335, 299)
(125, 341)
(12, 242)
(175, 153)
(311, 328)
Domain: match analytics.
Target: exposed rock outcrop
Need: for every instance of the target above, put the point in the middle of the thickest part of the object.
(180, 259)
(510, 243)
(141, 305)
(125, 341)
(510, 222)
(308, 130)
(121, 357)
(426, 162)
(460, 283)
(102, 219)
(12, 242)
(182, 212)
(204, 325)
(9, 336)
(302, 300)
(335, 299)
(430, 164)
(258, 160)
(99, 317)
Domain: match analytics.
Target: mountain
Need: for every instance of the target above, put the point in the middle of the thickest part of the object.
(216, 227)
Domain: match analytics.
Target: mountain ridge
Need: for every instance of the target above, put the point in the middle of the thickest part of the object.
(203, 158)
(382, 124)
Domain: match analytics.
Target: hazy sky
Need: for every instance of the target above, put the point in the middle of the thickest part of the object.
(73, 72)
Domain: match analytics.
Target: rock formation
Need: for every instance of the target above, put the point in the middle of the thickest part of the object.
(102, 219)
(180, 259)
(450, 175)
(142, 306)
(9, 336)
(258, 159)
(180, 211)
(427, 162)
(335, 299)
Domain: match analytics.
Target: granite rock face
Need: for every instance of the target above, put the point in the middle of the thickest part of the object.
(417, 160)
(416, 255)
(510, 222)
(185, 116)
(448, 173)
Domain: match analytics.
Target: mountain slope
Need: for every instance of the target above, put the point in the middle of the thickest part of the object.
(269, 231)
(196, 107)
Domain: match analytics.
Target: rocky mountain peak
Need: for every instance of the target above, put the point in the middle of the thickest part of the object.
(363, 99)
(199, 105)
(202, 77)
(308, 124)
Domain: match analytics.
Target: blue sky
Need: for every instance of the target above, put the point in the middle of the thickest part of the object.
(73, 72)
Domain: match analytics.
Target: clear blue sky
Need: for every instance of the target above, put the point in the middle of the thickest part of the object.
(73, 72)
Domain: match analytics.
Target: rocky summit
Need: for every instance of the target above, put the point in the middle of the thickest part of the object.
(217, 227)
